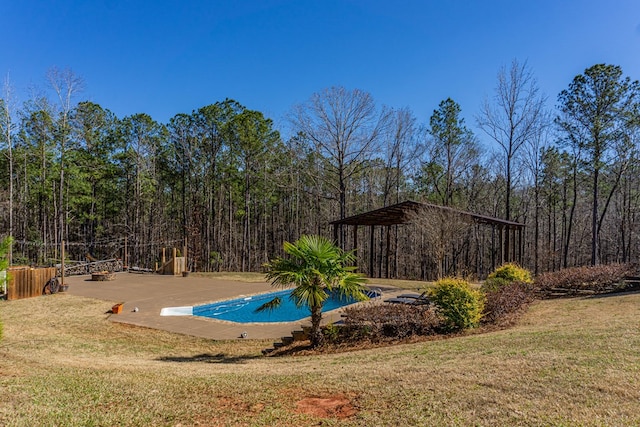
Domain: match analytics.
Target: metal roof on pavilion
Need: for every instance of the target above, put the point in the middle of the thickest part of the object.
(404, 213)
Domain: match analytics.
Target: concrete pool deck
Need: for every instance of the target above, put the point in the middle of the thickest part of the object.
(152, 292)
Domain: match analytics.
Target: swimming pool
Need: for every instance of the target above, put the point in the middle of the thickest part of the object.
(242, 310)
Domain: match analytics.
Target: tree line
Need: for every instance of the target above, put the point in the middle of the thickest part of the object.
(225, 183)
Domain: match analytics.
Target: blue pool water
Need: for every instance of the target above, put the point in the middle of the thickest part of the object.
(242, 310)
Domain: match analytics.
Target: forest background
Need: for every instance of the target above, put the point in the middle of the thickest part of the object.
(231, 186)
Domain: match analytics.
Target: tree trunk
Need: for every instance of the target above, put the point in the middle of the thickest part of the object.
(343, 207)
(570, 219)
(317, 339)
(594, 220)
(536, 232)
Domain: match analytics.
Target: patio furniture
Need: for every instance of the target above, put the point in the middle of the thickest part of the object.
(410, 299)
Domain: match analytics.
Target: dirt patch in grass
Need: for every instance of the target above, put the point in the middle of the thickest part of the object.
(336, 406)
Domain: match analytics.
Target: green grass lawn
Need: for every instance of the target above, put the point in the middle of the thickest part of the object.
(571, 362)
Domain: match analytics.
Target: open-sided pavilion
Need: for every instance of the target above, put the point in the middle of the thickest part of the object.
(506, 236)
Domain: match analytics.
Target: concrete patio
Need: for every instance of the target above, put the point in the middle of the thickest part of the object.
(151, 292)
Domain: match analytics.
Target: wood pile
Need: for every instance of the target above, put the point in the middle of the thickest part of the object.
(109, 265)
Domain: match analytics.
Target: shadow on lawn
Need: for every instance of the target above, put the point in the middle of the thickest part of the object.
(209, 358)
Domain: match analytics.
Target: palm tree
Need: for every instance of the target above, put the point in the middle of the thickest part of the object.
(316, 267)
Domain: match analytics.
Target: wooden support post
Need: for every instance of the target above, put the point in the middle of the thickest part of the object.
(501, 238)
(479, 253)
(184, 248)
(514, 246)
(126, 263)
(164, 256)
(493, 247)
(355, 237)
(395, 252)
(372, 232)
(388, 254)
(184, 254)
(507, 243)
(174, 254)
(520, 246)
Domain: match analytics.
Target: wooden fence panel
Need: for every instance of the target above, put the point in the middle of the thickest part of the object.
(28, 282)
(175, 266)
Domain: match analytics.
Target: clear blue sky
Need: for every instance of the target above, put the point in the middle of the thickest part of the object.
(167, 57)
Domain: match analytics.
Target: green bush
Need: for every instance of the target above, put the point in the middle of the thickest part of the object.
(461, 305)
(331, 332)
(506, 274)
(493, 284)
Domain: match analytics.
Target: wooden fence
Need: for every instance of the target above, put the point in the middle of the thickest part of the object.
(25, 282)
(176, 265)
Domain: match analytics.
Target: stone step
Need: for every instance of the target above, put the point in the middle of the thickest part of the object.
(297, 335)
(300, 335)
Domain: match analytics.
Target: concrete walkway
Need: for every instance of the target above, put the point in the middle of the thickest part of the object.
(151, 292)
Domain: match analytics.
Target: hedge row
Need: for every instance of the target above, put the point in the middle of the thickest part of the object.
(456, 305)
(584, 280)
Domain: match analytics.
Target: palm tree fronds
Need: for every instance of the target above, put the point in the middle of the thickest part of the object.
(316, 267)
(310, 297)
(269, 305)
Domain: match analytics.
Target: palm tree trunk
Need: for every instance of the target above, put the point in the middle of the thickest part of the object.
(316, 338)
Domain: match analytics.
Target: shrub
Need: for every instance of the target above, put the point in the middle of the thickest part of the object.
(582, 280)
(504, 303)
(331, 332)
(460, 305)
(511, 272)
(385, 322)
(495, 283)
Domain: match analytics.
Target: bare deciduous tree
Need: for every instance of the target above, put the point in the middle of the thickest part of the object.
(443, 228)
(7, 127)
(533, 161)
(66, 85)
(344, 126)
(401, 149)
(512, 119)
